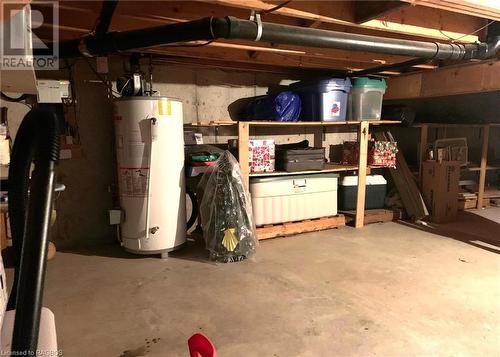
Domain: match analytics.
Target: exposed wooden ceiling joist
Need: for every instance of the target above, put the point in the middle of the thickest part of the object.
(343, 13)
(488, 9)
(78, 18)
(474, 77)
(369, 10)
(250, 56)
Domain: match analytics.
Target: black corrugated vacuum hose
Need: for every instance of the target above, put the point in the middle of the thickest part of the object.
(30, 204)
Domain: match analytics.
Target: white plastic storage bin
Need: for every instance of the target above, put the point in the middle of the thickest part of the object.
(365, 99)
(293, 198)
(376, 187)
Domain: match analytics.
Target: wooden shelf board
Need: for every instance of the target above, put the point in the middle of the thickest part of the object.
(477, 168)
(328, 168)
(319, 123)
(261, 123)
(454, 125)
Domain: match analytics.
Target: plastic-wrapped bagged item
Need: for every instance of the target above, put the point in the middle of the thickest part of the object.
(284, 106)
(226, 212)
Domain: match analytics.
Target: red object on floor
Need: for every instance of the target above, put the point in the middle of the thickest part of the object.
(200, 346)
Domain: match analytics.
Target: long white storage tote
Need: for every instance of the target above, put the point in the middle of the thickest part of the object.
(293, 198)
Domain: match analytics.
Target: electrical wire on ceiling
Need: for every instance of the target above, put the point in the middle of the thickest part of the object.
(468, 34)
(277, 7)
(191, 45)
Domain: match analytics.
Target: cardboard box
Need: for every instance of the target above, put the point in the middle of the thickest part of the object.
(261, 155)
(440, 189)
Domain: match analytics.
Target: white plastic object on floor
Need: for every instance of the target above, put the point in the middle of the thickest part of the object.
(47, 337)
(150, 155)
(293, 198)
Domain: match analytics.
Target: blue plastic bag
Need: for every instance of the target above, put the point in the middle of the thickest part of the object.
(282, 107)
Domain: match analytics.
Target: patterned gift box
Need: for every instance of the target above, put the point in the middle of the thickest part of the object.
(380, 153)
(261, 155)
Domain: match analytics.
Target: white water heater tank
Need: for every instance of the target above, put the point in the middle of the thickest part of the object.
(150, 156)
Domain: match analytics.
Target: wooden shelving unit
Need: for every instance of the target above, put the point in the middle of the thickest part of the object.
(483, 166)
(244, 131)
(267, 123)
(328, 168)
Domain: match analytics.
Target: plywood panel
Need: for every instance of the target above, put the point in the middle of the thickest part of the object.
(475, 77)
(404, 86)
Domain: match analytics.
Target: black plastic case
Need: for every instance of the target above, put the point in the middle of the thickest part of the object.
(306, 159)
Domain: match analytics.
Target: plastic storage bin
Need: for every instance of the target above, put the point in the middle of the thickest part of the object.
(293, 198)
(376, 187)
(365, 99)
(324, 100)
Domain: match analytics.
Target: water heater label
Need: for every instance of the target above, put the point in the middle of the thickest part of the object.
(164, 107)
(134, 181)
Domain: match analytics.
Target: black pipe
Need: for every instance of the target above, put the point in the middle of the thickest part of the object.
(213, 28)
(113, 42)
(107, 11)
(37, 141)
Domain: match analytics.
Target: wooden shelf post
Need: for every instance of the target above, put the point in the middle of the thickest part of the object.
(318, 137)
(243, 137)
(362, 165)
(482, 169)
(424, 131)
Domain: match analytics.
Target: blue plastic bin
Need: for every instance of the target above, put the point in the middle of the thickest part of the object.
(323, 100)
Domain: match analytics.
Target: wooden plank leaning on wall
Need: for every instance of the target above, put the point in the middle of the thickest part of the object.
(482, 169)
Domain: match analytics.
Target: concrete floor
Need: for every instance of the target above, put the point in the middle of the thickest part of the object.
(387, 290)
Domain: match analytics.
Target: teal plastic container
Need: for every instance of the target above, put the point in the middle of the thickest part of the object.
(365, 98)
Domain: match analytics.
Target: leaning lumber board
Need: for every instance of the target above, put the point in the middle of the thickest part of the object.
(291, 228)
(405, 183)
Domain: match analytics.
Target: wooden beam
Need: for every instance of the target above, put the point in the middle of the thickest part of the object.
(471, 8)
(369, 10)
(482, 170)
(290, 72)
(243, 137)
(270, 58)
(451, 24)
(471, 77)
(329, 15)
(362, 166)
(424, 131)
(340, 13)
